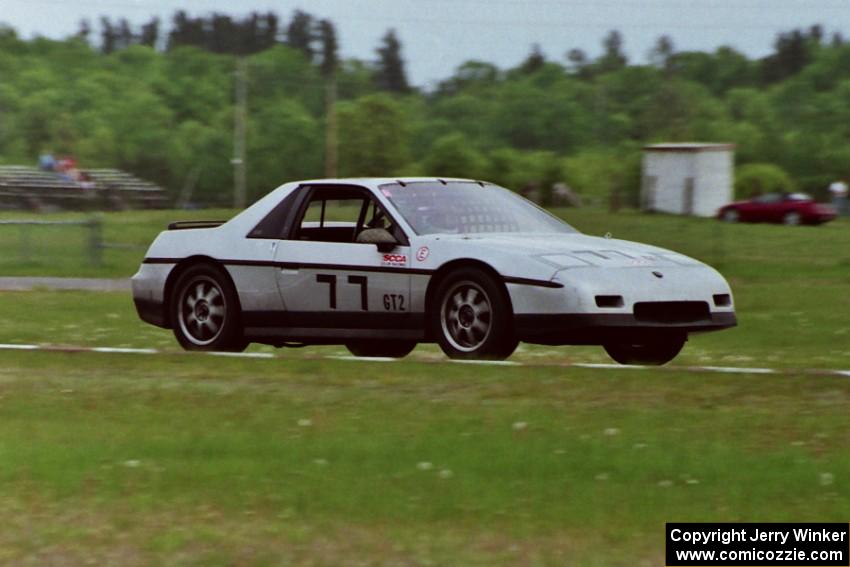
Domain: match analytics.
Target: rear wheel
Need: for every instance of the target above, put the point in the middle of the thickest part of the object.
(379, 348)
(731, 215)
(205, 311)
(655, 351)
(471, 317)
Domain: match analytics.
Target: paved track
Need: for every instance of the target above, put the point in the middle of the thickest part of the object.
(93, 284)
(75, 284)
(269, 355)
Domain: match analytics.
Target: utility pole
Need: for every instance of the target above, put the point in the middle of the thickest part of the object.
(240, 117)
(331, 141)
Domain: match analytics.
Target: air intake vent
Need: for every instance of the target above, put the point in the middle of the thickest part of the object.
(609, 301)
(672, 311)
(722, 300)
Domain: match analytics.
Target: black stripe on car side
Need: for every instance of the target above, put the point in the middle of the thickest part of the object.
(378, 269)
(161, 260)
(301, 265)
(334, 319)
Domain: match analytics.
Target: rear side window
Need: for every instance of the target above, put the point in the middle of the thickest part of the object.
(276, 224)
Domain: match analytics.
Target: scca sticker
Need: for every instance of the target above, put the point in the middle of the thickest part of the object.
(394, 260)
(422, 253)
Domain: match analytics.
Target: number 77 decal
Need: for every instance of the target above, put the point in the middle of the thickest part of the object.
(362, 281)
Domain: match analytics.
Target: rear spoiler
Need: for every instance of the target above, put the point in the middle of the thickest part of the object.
(183, 225)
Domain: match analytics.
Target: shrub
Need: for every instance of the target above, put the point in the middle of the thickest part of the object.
(759, 178)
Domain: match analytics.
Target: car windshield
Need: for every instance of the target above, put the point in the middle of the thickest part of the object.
(799, 197)
(463, 207)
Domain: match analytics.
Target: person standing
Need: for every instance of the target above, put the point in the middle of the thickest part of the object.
(838, 190)
(46, 161)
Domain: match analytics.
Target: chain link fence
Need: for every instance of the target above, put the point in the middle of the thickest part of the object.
(45, 243)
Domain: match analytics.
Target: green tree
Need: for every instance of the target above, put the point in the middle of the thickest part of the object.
(534, 62)
(543, 111)
(470, 115)
(475, 75)
(150, 33)
(596, 173)
(613, 57)
(299, 33)
(285, 144)
(204, 150)
(390, 74)
(284, 72)
(354, 79)
(454, 156)
(579, 63)
(661, 54)
(196, 84)
(329, 47)
(373, 137)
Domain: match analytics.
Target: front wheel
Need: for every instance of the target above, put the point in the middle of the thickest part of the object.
(652, 352)
(791, 219)
(205, 311)
(471, 317)
(381, 349)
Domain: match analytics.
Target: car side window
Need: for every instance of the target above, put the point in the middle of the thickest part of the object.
(331, 217)
(377, 217)
(768, 198)
(339, 215)
(278, 221)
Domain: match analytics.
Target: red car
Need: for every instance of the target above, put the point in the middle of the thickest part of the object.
(785, 208)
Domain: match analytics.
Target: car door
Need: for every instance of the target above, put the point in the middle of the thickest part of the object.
(775, 209)
(748, 211)
(762, 208)
(328, 280)
(790, 204)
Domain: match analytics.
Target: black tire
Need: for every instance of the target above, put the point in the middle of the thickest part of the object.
(471, 317)
(381, 348)
(205, 312)
(653, 352)
(731, 215)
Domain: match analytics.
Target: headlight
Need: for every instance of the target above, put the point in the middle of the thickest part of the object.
(563, 261)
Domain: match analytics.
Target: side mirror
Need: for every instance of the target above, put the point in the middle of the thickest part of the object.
(380, 237)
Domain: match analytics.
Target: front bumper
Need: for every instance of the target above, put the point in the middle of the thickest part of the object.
(819, 218)
(601, 328)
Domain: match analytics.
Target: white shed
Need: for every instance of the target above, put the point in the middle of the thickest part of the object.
(687, 179)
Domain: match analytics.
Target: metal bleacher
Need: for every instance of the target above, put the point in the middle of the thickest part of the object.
(25, 187)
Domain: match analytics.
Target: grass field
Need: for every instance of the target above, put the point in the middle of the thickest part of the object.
(128, 459)
(191, 459)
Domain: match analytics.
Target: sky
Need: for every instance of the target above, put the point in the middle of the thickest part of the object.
(439, 35)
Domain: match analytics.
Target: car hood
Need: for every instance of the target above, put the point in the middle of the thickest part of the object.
(591, 250)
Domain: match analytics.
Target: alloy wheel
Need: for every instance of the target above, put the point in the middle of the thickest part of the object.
(202, 310)
(466, 316)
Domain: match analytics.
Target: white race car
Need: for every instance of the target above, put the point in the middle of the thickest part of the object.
(383, 264)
